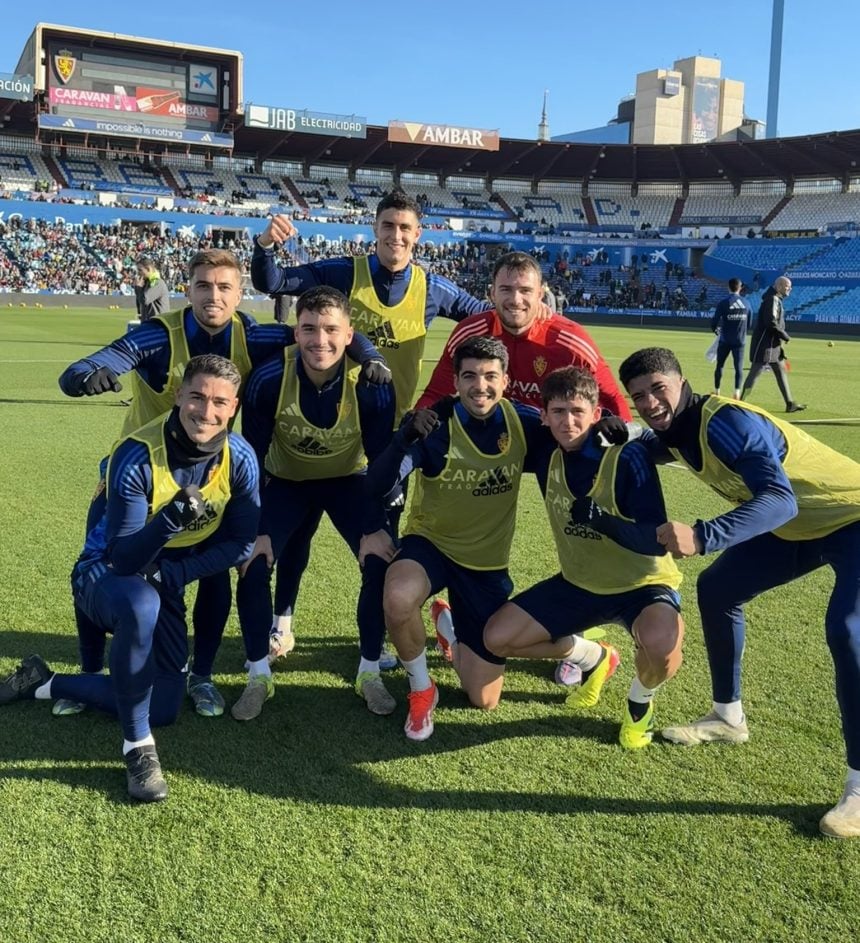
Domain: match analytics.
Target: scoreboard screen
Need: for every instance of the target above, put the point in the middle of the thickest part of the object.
(161, 92)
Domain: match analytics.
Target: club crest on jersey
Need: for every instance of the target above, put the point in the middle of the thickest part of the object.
(539, 365)
(503, 442)
(65, 64)
(345, 409)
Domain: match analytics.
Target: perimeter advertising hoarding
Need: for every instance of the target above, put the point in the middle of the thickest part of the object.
(442, 135)
(127, 127)
(705, 119)
(305, 122)
(160, 91)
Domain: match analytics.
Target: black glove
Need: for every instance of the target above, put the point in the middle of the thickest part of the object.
(99, 381)
(152, 574)
(585, 511)
(185, 506)
(376, 372)
(444, 408)
(613, 429)
(418, 425)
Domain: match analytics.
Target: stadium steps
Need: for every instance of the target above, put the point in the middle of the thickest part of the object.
(775, 211)
(170, 179)
(677, 212)
(588, 209)
(293, 190)
(503, 204)
(55, 171)
(823, 300)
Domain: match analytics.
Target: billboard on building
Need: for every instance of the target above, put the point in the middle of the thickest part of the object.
(305, 122)
(442, 135)
(705, 117)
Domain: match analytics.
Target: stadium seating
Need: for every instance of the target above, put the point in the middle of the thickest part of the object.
(123, 176)
(21, 170)
(723, 207)
(615, 208)
(816, 211)
(762, 255)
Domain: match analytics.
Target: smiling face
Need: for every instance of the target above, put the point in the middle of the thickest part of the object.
(570, 420)
(656, 397)
(214, 292)
(516, 294)
(480, 384)
(206, 406)
(322, 335)
(396, 232)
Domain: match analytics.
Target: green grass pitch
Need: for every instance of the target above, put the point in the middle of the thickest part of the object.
(320, 822)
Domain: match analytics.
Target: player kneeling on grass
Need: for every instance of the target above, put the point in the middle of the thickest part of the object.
(182, 504)
(797, 509)
(604, 507)
(461, 524)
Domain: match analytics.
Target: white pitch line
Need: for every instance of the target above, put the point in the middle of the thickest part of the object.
(823, 422)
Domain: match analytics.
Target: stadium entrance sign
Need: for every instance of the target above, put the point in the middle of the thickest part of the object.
(442, 135)
(305, 122)
(19, 87)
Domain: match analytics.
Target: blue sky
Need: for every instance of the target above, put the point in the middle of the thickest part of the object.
(487, 64)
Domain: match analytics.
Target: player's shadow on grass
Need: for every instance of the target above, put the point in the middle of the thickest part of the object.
(319, 744)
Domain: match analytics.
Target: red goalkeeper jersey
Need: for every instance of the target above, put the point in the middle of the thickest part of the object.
(547, 345)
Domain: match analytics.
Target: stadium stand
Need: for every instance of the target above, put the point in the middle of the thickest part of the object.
(717, 204)
(817, 211)
(617, 210)
(21, 170)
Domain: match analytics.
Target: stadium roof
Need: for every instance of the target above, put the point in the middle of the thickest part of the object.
(834, 154)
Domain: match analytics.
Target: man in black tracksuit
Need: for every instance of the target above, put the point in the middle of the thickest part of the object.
(768, 337)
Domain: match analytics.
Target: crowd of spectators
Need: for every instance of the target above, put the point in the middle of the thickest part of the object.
(37, 255)
(100, 259)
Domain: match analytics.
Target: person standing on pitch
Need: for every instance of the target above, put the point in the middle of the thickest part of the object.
(604, 508)
(391, 299)
(797, 508)
(314, 425)
(730, 321)
(155, 355)
(769, 336)
(182, 504)
(150, 293)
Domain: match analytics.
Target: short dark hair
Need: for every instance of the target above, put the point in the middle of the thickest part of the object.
(315, 299)
(145, 261)
(398, 200)
(518, 262)
(735, 285)
(212, 365)
(569, 383)
(648, 360)
(481, 348)
(217, 258)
